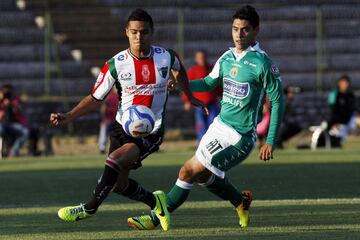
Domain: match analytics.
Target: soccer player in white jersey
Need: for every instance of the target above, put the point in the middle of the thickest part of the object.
(140, 74)
(246, 74)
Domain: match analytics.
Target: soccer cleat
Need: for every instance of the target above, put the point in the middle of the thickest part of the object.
(72, 214)
(243, 209)
(161, 211)
(141, 223)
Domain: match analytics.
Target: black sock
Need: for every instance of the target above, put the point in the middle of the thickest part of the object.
(104, 186)
(135, 192)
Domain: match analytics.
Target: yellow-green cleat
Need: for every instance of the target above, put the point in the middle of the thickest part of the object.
(161, 210)
(74, 213)
(243, 209)
(141, 223)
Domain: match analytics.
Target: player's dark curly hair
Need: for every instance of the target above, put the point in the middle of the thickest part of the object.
(141, 15)
(247, 13)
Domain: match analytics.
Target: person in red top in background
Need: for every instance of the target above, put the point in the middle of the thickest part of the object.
(200, 70)
(108, 112)
(13, 122)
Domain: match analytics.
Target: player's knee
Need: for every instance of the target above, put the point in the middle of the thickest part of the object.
(186, 173)
(125, 156)
(205, 178)
(116, 160)
(122, 161)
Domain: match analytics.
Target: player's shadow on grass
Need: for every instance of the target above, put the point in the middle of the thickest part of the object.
(277, 181)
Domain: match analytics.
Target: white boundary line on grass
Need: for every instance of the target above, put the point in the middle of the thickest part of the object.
(311, 200)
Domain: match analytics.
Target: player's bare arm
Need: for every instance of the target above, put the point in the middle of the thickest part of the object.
(183, 81)
(87, 104)
(266, 152)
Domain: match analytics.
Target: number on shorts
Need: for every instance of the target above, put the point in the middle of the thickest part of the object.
(213, 146)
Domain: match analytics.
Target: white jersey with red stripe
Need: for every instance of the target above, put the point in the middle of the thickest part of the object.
(138, 80)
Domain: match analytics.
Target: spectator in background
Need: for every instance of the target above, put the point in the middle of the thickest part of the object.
(200, 70)
(13, 123)
(289, 126)
(108, 112)
(342, 111)
(263, 126)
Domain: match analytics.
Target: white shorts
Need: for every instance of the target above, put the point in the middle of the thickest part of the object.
(222, 147)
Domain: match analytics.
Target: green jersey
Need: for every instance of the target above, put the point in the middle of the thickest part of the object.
(246, 78)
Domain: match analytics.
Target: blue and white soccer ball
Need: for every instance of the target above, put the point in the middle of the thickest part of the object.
(138, 121)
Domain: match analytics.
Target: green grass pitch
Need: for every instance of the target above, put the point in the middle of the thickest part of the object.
(298, 195)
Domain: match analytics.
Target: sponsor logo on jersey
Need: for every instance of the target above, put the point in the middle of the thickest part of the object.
(232, 101)
(236, 89)
(146, 89)
(163, 71)
(233, 72)
(203, 154)
(246, 62)
(274, 69)
(125, 76)
(145, 72)
(122, 57)
(159, 50)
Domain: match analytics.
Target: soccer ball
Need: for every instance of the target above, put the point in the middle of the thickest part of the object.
(138, 121)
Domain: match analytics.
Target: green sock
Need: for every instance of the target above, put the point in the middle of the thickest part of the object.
(224, 189)
(175, 198)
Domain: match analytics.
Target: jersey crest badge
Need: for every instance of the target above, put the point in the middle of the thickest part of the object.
(234, 72)
(145, 72)
(274, 69)
(163, 71)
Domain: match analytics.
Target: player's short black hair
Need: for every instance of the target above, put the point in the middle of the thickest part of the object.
(141, 15)
(247, 13)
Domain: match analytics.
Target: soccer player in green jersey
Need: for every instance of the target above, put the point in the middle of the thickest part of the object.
(246, 74)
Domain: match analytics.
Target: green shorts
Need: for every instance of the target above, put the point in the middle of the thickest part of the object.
(222, 147)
